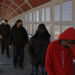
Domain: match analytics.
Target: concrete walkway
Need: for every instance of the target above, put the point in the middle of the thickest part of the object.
(6, 65)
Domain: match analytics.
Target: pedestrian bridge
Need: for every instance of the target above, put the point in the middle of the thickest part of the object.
(57, 15)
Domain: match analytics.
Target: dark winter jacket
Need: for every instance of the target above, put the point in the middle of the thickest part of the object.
(18, 36)
(5, 31)
(38, 46)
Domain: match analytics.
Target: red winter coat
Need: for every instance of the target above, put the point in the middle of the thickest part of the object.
(59, 60)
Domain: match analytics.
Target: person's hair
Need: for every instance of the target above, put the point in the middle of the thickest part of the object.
(70, 41)
(6, 20)
(18, 21)
(41, 27)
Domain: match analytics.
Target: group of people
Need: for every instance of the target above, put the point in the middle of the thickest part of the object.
(16, 38)
(54, 58)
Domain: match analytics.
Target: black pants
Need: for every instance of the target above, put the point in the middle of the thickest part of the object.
(18, 55)
(5, 46)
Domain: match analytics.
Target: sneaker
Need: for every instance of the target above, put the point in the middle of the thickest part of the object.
(31, 73)
(15, 66)
(8, 56)
(2, 53)
(1, 71)
(21, 67)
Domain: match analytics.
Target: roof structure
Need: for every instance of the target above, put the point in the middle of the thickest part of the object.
(12, 8)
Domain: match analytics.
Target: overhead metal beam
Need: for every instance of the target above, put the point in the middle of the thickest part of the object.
(27, 1)
(18, 7)
(8, 6)
(11, 8)
(2, 8)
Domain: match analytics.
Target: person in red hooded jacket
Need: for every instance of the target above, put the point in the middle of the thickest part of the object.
(60, 54)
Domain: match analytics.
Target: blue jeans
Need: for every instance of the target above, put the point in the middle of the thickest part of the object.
(35, 69)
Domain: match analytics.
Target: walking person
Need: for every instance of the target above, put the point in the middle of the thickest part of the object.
(37, 49)
(19, 38)
(60, 54)
(4, 35)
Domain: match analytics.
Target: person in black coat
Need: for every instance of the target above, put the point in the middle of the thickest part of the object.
(4, 36)
(37, 49)
(19, 38)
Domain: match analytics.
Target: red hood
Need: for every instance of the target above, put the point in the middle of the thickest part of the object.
(68, 34)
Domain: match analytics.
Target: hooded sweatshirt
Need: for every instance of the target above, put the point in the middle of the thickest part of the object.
(59, 60)
(38, 45)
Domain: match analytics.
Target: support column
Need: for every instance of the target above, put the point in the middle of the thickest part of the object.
(73, 13)
(52, 30)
